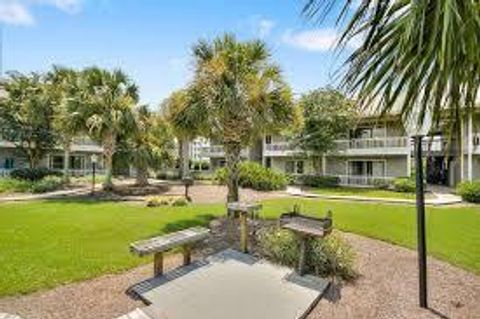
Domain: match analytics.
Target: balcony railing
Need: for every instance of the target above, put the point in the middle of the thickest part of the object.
(4, 172)
(217, 151)
(280, 148)
(362, 180)
(362, 143)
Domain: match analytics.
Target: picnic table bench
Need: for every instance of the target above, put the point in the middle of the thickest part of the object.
(305, 228)
(242, 209)
(158, 245)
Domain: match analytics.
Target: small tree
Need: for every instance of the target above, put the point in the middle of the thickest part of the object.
(327, 114)
(150, 143)
(108, 101)
(238, 94)
(26, 115)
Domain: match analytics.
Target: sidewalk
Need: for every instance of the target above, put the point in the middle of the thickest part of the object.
(439, 200)
(50, 195)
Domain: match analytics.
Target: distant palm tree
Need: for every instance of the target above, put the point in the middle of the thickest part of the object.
(422, 55)
(238, 93)
(107, 108)
(68, 123)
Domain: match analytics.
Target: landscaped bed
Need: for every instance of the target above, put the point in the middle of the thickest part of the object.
(44, 244)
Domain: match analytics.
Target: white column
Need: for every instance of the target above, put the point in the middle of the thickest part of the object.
(409, 157)
(470, 148)
(461, 145)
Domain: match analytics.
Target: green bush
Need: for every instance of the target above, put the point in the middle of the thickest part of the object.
(326, 257)
(255, 176)
(404, 185)
(155, 201)
(319, 181)
(47, 184)
(469, 191)
(180, 201)
(33, 174)
(12, 185)
(382, 183)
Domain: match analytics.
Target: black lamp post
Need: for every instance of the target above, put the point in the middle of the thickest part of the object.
(94, 166)
(421, 240)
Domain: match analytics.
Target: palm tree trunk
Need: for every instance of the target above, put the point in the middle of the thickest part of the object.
(232, 154)
(108, 148)
(185, 159)
(142, 176)
(66, 163)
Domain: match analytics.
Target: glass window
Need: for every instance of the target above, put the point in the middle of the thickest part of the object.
(300, 167)
(268, 162)
(56, 162)
(9, 163)
(76, 162)
(268, 139)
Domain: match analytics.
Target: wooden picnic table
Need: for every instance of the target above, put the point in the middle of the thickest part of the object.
(243, 209)
(160, 244)
(305, 228)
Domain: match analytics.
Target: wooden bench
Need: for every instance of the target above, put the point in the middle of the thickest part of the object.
(158, 245)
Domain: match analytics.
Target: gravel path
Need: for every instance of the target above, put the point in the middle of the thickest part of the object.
(387, 288)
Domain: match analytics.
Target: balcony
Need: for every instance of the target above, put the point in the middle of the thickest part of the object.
(86, 145)
(217, 151)
(374, 146)
(280, 149)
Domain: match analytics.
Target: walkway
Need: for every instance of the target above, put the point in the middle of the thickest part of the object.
(439, 200)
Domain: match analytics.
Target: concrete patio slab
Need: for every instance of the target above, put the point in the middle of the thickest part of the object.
(8, 316)
(231, 285)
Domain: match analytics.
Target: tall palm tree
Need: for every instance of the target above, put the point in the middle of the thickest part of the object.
(68, 123)
(421, 55)
(109, 100)
(238, 94)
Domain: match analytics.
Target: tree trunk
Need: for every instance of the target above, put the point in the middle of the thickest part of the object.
(142, 176)
(66, 163)
(184, 158)
(232, 154)
(108, 149)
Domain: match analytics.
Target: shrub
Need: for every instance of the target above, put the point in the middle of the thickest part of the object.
(47, 184)
(12, 185)
(382, 184)
(330, 256)
(255, 176)
(155, 201)
(320, 181)
(404, 185)
(469, 191)
(33, 174)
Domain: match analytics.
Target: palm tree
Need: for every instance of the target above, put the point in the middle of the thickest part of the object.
(421, 55)
(68, 123)
(185, 124)
(150, 143)
(109, 100)
(238, 94)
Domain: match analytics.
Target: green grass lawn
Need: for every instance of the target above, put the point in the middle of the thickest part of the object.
(44, 244)
(366, 192)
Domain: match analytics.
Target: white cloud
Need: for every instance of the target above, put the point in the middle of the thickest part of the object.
(15, 13)
(315, 40)
(265, 27)
(19, 12)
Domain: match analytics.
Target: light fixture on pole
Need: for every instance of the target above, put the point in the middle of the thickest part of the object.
(417, 128)
(94, 159)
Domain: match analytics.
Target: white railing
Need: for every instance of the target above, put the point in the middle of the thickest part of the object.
(362, 180)
(366, 143)
(217, 151)
(4, 172)
(280, 148)
(82, 172)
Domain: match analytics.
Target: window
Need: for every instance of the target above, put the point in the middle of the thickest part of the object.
(294, 167)
(9, 163)
(76, 162)
(268, 139)
(268, 162)
(56, 162)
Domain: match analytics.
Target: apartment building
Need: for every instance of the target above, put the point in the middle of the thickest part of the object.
(82, 152)
(375, 151)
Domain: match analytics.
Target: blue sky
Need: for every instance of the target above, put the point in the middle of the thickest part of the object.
(151, 39)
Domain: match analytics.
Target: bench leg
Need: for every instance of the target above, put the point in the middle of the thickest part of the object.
(303, 255)
(243, 233)
(187, 255)
(158, 264)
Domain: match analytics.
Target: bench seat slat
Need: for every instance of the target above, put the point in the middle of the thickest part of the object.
(169, 241)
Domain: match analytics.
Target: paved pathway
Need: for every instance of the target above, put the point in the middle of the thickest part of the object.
(439, 200)
(8, 316)
(55, 194)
